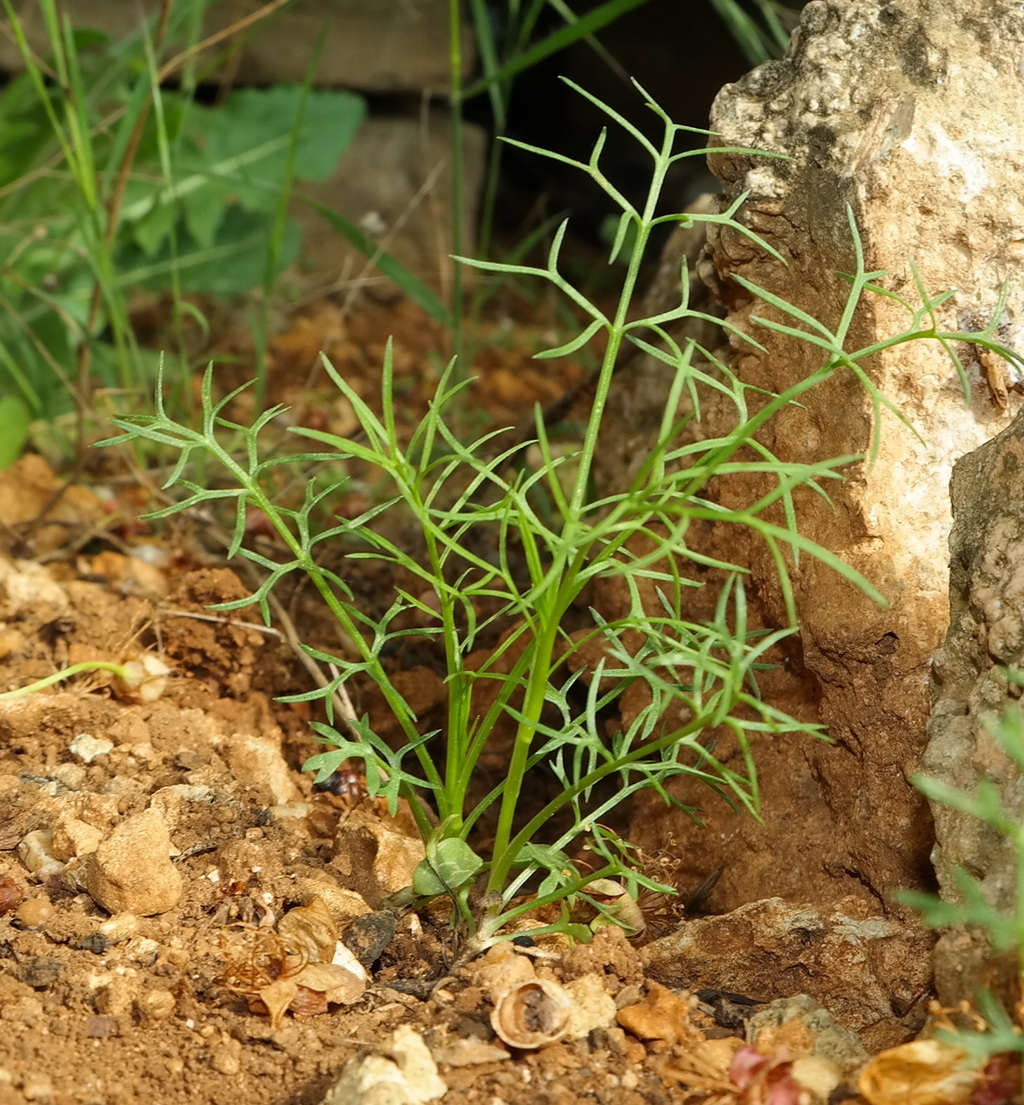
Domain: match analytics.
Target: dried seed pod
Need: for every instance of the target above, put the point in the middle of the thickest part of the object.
(621, 909)
(927, 1071)
(143, 679)
(532, 1014)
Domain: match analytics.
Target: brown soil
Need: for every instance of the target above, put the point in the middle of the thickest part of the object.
(98, 1009)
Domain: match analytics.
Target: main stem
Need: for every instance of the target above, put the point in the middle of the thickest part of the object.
(577, 540)
(536, 692)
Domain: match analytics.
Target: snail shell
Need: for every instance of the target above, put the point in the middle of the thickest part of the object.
(532, 1014)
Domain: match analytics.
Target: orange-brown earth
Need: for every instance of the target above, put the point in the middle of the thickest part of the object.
(149, 850)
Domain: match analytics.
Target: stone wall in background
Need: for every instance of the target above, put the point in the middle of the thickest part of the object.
(380, 46)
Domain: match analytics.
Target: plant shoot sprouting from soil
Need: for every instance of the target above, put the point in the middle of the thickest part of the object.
(504, 555)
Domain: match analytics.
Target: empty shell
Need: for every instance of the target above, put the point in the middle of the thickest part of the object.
(532, 1014)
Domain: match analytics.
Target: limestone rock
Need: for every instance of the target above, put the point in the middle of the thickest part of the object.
(592, 1006)
(73, 837)
(859, 965)
(769, 1027)
(132, 870)
(986, 633)
(373, 859)
(904, 112)
(405, 1075)
(256, 760)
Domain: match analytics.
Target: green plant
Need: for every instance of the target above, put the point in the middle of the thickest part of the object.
(506, 559)
(1003, 1032)
(114, 182)
(141, 678)
(761, 37)
(508, 45)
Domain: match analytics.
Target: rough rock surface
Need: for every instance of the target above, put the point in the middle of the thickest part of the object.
(374, 860)
(986, 634)
(772, 948)
(905, 112)
(830, 1040)
(405, 1075)
(131, 871)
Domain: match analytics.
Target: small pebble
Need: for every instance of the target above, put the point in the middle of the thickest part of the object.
(40, 971)
(95, 942)
(152, 554)
(154, 1006)
(87, 747)
(369, 935)
(36, 1087)
(142, 951)
(119, 927)
(33, 913)
(225, 1058)
(131, 871)
(10, 894)
(99, 1027)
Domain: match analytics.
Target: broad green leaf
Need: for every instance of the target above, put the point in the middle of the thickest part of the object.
(449, 865)
(238, 152)
(233, 264)
(14, 423)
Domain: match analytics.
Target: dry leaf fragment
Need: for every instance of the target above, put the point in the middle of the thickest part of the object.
(339, 984)
(926, 1072)
(309, 931)
(277, 996)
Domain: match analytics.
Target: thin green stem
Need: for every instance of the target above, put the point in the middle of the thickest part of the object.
(456, 100)
(541, 651)
(64, 673)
